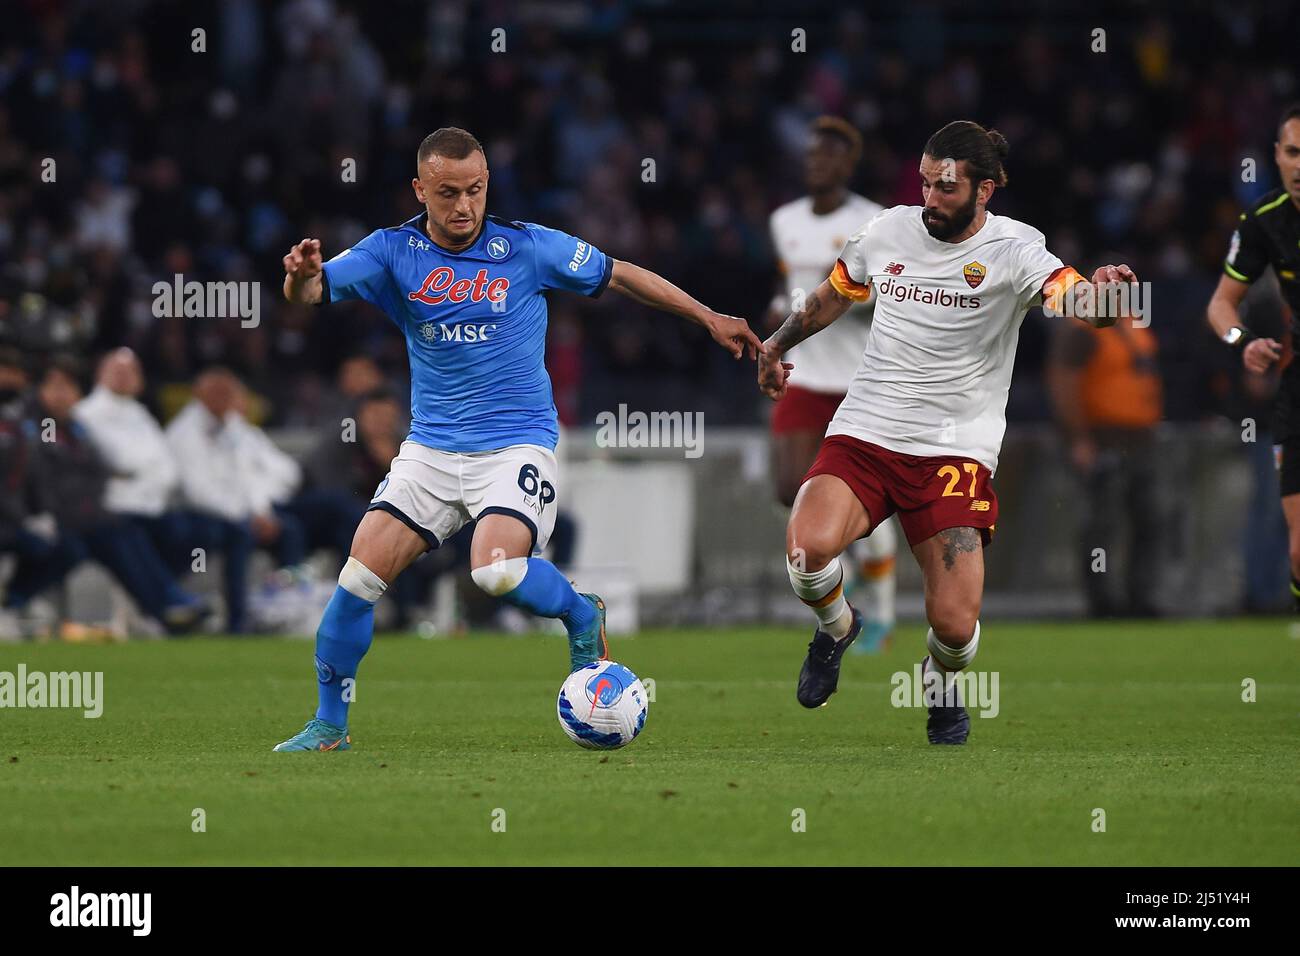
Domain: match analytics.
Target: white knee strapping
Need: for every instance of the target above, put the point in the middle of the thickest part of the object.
(823, 592)
(500, 577)
(953, 658)
(359, 580)
(814, 585)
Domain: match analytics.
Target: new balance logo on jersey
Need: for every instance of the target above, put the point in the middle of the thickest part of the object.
(894, 268)
(456, 332)
(441, 285)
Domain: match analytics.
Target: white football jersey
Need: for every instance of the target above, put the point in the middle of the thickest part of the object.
(807, 245)
(937, 367)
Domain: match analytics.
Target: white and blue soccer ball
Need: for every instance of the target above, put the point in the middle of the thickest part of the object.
(602, 706)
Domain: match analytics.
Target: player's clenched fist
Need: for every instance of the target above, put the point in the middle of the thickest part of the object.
(772, 373)
(1260, 354)
(304, 259)
(1119, 273)
(302, 272)
(1111, 275)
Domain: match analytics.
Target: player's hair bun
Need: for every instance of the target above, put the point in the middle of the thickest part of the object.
(999, 143)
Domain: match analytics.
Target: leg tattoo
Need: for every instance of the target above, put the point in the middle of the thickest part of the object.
(955, 541)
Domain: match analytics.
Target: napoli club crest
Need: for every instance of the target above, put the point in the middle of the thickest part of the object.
(974, 273)
(498, 247)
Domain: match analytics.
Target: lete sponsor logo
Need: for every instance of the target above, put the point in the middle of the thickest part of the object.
(441, 285)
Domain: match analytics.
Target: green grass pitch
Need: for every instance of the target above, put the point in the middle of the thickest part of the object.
(1144, 721)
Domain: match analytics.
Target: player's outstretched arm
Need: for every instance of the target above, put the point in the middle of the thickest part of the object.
(644, 286)
(821, 308)
(302, 271)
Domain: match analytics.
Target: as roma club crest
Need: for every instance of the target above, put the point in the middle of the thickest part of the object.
(974, 273)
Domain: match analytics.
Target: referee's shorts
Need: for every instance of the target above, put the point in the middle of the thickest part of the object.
(1286, 430)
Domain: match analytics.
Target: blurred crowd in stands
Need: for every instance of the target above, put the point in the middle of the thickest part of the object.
(134, 149)
(96, 476)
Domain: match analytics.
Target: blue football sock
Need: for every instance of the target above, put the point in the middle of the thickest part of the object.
(346, 630)
(546, 592)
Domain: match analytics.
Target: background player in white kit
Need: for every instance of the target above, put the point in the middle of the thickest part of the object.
(807, 235)
(920, 429)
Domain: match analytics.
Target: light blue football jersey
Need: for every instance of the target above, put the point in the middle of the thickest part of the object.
(474, 322)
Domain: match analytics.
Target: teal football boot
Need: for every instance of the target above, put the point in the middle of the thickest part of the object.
(589, 645)
(317, 735)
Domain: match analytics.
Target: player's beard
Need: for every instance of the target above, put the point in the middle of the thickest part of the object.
(952, 225)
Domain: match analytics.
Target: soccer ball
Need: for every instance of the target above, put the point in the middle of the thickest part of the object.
(602, 706)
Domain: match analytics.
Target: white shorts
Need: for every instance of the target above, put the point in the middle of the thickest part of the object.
(436, 493)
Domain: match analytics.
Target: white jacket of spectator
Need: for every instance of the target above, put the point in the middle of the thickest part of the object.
(229, 468)
(132, 442)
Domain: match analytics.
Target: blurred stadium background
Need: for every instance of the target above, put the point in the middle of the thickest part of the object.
(210, 164)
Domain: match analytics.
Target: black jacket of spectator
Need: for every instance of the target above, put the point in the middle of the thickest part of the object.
(15, 486)
(67, 474)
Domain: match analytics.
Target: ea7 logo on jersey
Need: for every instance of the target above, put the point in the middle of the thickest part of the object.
(974, 273)
(895, 268)
(580, 256)
(441, 285)
(456, 332)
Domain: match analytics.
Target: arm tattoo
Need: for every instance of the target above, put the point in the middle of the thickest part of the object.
(799, 325)
(958, 541)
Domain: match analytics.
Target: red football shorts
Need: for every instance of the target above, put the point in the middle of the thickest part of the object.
(803, 410)
(928, 494)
